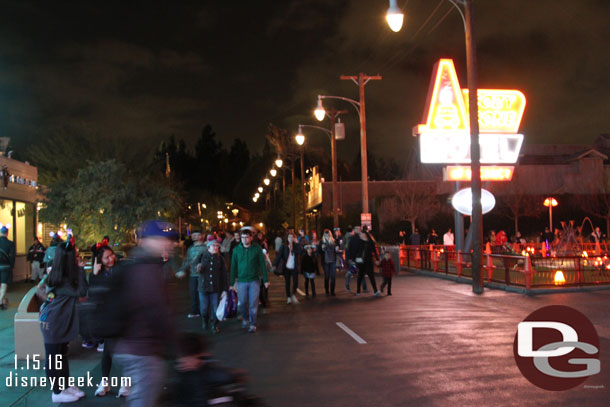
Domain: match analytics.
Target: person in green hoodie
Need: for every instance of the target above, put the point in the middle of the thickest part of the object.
(248, 267)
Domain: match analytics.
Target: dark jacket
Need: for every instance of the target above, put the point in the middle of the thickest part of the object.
(150, 330)
(328, 252)
(194, 388)
(369, 251)
(213, 273)
(36, 252)
(7, 253)
(354, 247)
(281, 257)
(59, 320)
(308, 263)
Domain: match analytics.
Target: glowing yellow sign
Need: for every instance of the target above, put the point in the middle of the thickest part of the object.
(445, 104)
(488, 173)
(500, 111)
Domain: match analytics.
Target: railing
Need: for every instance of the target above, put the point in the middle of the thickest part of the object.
(511, 270)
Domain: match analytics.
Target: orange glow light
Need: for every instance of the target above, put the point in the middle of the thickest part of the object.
(550, 201)
(500, 110)
(559, 278)
(488, 173)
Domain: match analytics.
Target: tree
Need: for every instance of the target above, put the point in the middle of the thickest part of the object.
(104, 198)
(415, 202)
(519, 204)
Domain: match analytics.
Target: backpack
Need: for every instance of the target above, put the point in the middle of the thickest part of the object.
(108, 313)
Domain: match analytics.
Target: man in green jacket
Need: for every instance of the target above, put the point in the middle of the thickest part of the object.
(247, 267)
(7, 261)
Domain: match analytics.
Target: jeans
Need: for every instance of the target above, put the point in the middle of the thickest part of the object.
(58, 354)
(330, 271)
(366, 268)
(294, 275)
(210, 299)
(36, 270)
(348, 278)
(194, 292)
(147, 375)
(313, 286)
(247, 295)
(109, 345)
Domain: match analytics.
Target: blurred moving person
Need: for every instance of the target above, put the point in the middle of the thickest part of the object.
(7, 262)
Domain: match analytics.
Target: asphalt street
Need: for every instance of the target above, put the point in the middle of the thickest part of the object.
(432, 343)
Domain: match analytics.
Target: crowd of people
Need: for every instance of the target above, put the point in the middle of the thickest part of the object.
(122, 307)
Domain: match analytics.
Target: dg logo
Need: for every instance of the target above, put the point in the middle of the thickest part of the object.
(557, 348)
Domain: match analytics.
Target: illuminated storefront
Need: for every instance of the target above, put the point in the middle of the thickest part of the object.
(18, 208)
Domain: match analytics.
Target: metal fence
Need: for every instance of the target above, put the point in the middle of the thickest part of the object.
(531, 271)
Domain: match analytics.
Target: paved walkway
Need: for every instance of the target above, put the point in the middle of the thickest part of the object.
(433, 343)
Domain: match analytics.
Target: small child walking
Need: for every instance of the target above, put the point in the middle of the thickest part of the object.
(309, 267)
(387, 271)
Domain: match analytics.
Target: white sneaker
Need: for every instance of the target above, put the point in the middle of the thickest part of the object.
(294, 299)
(288, 300)
(64, 397)
(377, 294)
(76, 391)
(124, 391)
(100, 347)
(102, 390)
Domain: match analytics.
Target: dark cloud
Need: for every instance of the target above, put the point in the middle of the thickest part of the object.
(144, 70)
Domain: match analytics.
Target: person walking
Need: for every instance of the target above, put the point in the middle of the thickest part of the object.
(388, 269)
(365, 266)
(104, 266)
(149, 329)
(247, 268)
(308, 267)
(353, 253)
(212, 271)
(7, 262)
(66, 282)
(288, 260)
(47, 260)
(328, 250)
(35, 257)
(190, 264)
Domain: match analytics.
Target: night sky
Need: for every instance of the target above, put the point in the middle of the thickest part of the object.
(146, 70)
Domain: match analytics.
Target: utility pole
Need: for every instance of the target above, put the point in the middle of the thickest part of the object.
(475, 153)
(361, 80)
(303, 188)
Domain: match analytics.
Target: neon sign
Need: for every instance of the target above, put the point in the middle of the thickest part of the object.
(445, 136)
(488, 173)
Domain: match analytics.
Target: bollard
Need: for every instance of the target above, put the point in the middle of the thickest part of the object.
(489, 266)
(529, 271)
(417, 258)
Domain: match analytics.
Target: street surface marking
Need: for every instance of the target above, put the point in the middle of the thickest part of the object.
(351, 333)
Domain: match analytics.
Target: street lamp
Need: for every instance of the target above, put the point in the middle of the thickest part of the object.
(394, 16)
(279, 162)
(361, 80)
(319, 112)
(273, 172)
(300, 139)
(476, 225)
(266, 181)
(260, 189)
(550, 202)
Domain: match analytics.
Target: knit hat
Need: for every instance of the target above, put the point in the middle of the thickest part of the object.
(210, 243)
(158, 228)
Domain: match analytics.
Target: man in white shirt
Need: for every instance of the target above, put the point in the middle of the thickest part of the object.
(448, 238)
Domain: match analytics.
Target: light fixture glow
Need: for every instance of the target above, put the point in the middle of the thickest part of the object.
(319, 112)
(273, 172)
(394, 16)
(279, 162)
(550, 201)
(260, 189)
(300, 137)
(462, 201)
(266, 181)
(257, 195)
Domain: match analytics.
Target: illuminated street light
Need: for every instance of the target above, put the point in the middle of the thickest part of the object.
(319, 112)
(550, 202)
(279, 162)
(266, 181)
(273, 172)
(257, 195)
(254, 199)
(394, 16)
(260, 189)
(300, 137)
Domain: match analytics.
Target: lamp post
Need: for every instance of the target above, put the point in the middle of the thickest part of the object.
(550, 202)
(333, 114)
(361, 80)
(475, 166)
(300, 139)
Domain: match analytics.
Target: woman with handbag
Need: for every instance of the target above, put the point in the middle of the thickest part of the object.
(66, 283)
(212, 282)
(288, 260)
